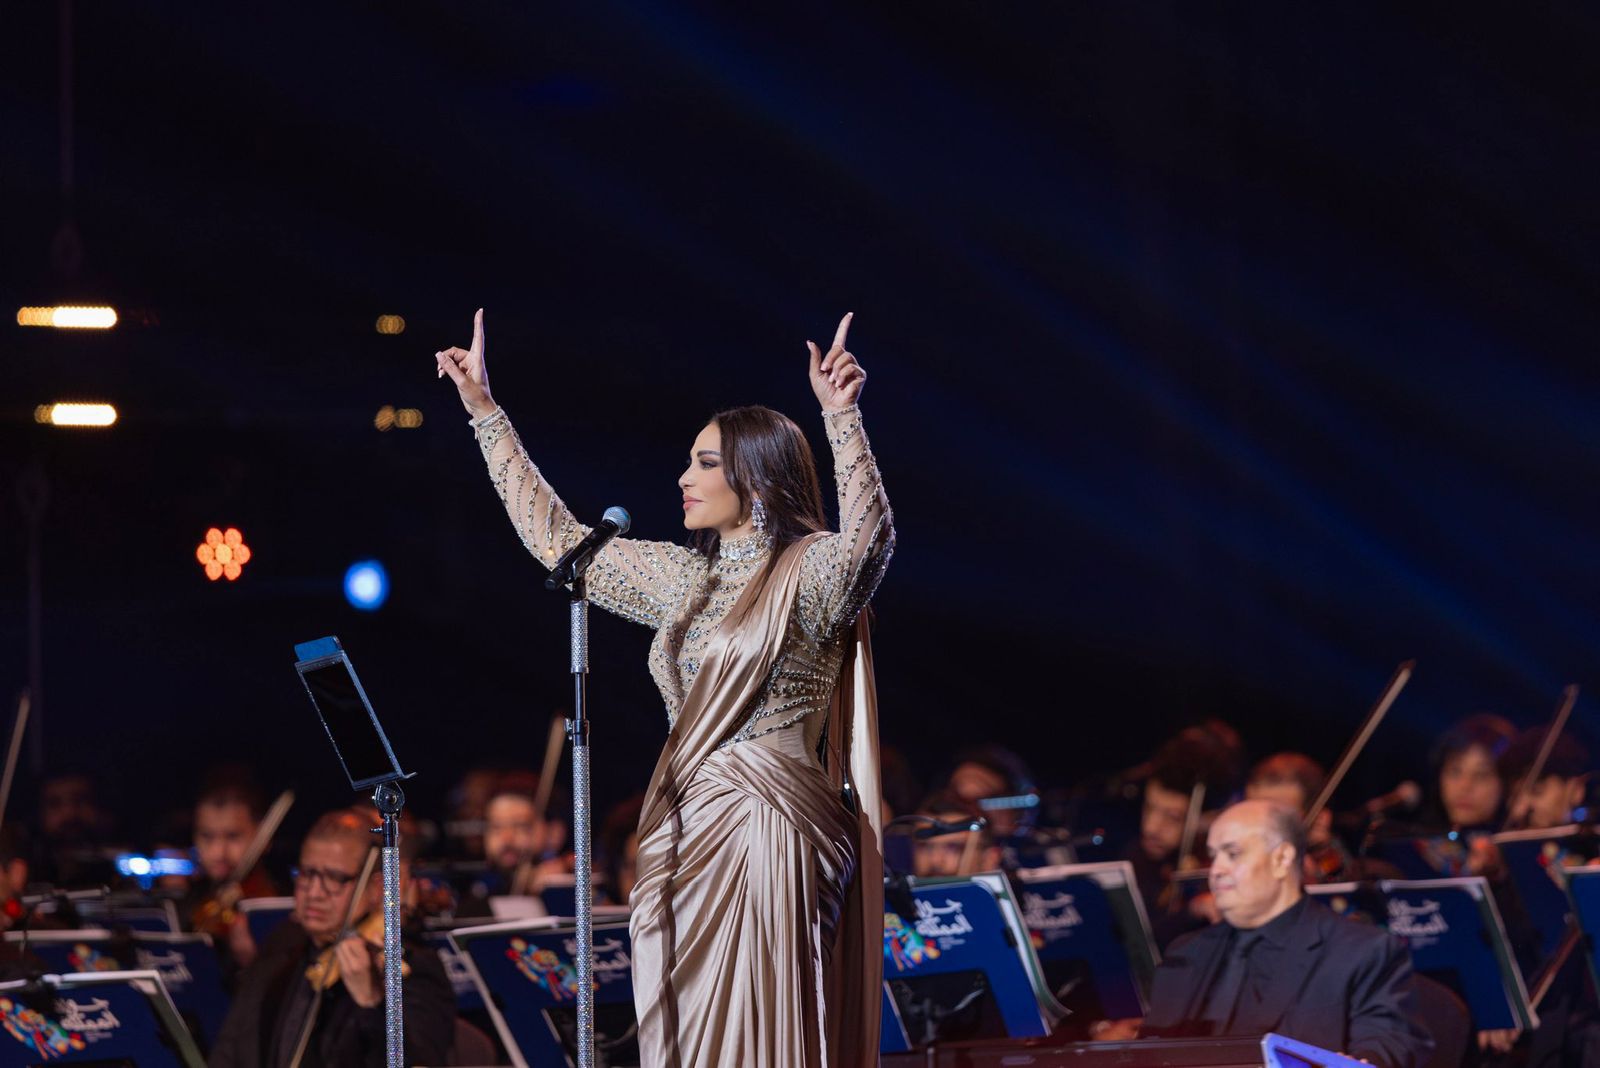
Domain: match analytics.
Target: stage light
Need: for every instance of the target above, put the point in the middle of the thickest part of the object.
(366, 585)
(389, 417)
(391, 324)
(72, 414)
(69, 317)
(223, 554)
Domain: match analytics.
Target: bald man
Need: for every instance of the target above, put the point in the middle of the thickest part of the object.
(1281, 961)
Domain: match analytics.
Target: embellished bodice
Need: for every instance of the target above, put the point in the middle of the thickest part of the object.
(685, 596)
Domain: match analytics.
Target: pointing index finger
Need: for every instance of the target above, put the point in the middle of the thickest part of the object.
(844, 328)
(477, 331)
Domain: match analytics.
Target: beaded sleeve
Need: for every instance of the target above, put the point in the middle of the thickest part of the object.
(841, 571)
(638, 580)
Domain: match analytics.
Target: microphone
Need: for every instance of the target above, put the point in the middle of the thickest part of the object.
(936, 828)
(575, 561)
(1403, 798)
(933, 827)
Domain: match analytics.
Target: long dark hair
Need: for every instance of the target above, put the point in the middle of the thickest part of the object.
(765, 455)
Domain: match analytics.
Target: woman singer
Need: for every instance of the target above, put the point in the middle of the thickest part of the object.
(757, 915)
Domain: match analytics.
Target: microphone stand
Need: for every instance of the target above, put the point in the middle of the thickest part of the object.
(583, 864)
(570, 572)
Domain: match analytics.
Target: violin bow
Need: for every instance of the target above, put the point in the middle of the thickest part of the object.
(1191, 821)
(361, 891)
(263, 838)
(522, 878)
(1397, 682)
(24, 703)
(1191, 831)
(1569, 698)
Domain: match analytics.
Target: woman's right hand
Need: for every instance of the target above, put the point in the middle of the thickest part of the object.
(466, 369)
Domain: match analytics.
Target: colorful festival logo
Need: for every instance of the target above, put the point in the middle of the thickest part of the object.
(1444, 855)
(85, 958)
(545, 968)
(903, 946)
(36, 1032)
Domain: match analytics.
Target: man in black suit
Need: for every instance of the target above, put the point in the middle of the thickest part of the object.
(1281, 961)
(276, 1006)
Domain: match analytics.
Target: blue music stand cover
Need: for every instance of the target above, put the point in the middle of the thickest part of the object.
(468, 999)
(1583, 889)
(1453, 930)
(263, 915)
(1534, 860)
(527, 976)
(968, 929)
(1088, 929)
(186, 963)
(99, 1017)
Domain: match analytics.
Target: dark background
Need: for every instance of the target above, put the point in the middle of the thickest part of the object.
(1220, 359)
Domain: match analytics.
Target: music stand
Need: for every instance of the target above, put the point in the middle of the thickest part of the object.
(186, 963)
(121, 1018)
(1583, 890)
(527, 975)
(963, 967)
(1092, 937)
(263, 915)
(1534, 859)
(1453, 929)
(369, 762)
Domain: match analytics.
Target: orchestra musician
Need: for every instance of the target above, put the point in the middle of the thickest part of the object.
(279, 1011)
(1281, 961)
(227, 818)
(1294, 780)
(521, 845)
(1552, 801)
(1205, 756)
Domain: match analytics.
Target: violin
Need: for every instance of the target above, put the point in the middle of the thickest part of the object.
(323, 973)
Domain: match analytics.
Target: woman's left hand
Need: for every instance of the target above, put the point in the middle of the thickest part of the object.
(836, 378)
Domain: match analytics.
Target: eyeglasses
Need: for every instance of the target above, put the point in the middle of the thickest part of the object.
(332, 881)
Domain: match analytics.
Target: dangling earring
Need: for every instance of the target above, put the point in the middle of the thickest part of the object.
(758, 517)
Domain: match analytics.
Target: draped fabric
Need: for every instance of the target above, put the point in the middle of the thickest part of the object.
(757, 916)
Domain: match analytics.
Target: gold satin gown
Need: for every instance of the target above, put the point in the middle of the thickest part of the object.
(757, 915)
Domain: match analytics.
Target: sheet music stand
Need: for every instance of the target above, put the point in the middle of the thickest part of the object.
(1092, 937)
(1583, 890)
(964, 966)
(186, 963)
(1534, 859)
(1453, 929)
(369, 762)
(526, 973)
(263, 915)
(94, 1018)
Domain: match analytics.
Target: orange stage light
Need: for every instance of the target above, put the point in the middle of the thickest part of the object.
(223, 554)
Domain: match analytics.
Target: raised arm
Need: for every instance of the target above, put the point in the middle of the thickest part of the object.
(638, 580)
(842, 570)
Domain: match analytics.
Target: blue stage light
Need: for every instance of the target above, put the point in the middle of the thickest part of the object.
(366, 585)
